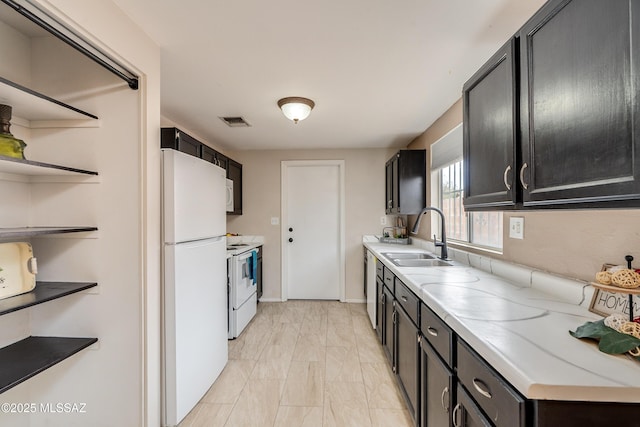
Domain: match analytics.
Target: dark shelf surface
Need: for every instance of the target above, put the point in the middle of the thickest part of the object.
(25, 232)
(31, 167)
(32, 105)
(30, 356)
(43, 292)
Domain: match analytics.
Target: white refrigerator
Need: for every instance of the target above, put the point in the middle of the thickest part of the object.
(194, 281)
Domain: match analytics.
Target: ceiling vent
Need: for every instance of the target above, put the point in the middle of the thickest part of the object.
(235, 122)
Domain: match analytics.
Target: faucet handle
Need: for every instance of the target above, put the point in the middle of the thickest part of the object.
(436, 243)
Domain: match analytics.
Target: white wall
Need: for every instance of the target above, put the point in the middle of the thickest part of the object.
(118, 379)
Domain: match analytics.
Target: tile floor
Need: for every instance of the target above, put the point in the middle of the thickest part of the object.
(304, 363)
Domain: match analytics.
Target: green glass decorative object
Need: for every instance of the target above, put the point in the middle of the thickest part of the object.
(10, 146)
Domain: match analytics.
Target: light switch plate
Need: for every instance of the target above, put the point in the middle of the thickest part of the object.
(275, 220)
(516, 227)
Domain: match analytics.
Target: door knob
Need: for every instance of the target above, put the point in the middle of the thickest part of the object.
(290, 229)
(290, 239)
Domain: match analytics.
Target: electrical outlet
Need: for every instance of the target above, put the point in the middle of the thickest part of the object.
(516, 227)
(275, 220)
(383, 220)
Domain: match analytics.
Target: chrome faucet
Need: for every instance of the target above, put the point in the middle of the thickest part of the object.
(444, 254)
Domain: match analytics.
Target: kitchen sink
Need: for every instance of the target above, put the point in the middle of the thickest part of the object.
(414, 259)
(407, 255)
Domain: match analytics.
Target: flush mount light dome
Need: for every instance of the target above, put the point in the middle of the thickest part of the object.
(296, 108)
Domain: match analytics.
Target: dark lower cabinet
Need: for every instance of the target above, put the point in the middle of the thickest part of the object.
(388, 343)
(548, 413)
(407, 351)
(437, 392)
(259, 273)
(466, 413)
(502, 404)
(380, 310)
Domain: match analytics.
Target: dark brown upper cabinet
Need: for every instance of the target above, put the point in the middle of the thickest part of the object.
(175, 139)
(234, 173)
(406, 185)
(490, 124)
(552, 120)
(580, 123)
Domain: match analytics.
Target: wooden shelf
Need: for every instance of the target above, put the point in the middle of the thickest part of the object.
(34, 106)
(616, 289)
(26, 232)
(30, 356)
(43, 292)
(31, 168)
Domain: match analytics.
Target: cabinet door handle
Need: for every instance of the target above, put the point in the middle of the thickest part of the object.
(524, 184)
(454, 415)
(432, 331)
(403, 298)
(482, 388)
(504, 178)
(445, 403)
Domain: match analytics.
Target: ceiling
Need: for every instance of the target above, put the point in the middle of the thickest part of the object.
(379, 71)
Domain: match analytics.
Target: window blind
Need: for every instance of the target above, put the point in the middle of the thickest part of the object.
(448, 149)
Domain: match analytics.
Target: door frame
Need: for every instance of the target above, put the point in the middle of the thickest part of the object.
(285, 165)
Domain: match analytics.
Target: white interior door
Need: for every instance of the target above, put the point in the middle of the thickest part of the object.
(312, 230)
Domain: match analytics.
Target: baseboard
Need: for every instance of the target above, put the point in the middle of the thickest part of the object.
(269, 300)
(349, 301)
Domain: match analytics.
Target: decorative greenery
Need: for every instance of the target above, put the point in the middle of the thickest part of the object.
(610, 340)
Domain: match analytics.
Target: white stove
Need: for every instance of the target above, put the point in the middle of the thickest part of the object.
(243, 299)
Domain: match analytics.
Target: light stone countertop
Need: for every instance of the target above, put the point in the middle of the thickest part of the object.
(247, 242)
(518, 320)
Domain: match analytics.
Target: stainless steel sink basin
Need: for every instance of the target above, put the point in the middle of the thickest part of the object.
(414, 259)
(420, 263)
(407, 255)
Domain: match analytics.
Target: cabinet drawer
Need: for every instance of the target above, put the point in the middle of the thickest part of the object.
(499, 401)
(408, 300)
(467, 414)
(379, 269)
(439, 335)
(389, 279)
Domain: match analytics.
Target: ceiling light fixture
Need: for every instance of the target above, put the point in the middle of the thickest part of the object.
(296, 108)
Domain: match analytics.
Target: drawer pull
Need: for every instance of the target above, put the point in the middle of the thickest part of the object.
(454, 416)
(432, 331)
(403, 298)
(482, 388)
(445, 403)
